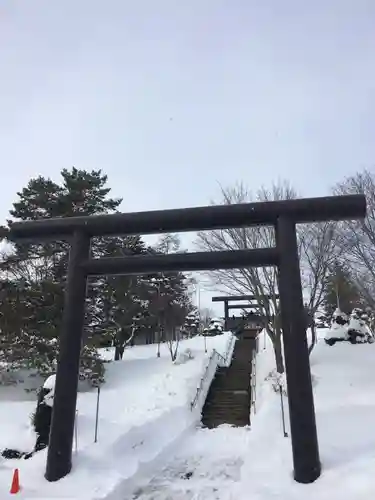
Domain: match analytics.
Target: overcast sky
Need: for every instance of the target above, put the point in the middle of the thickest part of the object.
(172, 97)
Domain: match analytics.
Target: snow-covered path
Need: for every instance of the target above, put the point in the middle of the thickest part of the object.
(238, 463)
(207, 466)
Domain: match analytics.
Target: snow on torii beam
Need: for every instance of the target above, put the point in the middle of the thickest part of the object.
(283, 215)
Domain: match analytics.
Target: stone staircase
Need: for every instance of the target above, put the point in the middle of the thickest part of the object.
(228, 400)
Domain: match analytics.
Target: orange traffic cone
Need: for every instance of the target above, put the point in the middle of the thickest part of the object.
(15, 488)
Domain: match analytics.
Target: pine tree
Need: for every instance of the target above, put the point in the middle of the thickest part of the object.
(41, 268)
(172, 303)
(117, 307)
(192, 323)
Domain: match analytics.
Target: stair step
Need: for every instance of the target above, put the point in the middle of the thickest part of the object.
(245, 376)
(213, 425)
(225, 415)
(227, 402)
(240, 422)
(228, 399)
(242, 378)
(237, 394)
(227, 409)
(236, 385)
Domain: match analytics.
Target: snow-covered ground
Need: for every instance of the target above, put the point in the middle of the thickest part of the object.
(144, 408)
(224, 463)
(238, 464)
(345, 408)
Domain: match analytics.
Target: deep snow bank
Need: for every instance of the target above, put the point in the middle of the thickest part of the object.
(344, 386)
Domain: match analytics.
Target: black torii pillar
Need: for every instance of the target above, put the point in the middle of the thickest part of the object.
(307, 466)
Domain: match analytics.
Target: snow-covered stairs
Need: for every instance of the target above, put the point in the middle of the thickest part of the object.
(228, 400)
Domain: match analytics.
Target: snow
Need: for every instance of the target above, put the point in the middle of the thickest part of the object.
(50, 382)
(231, 464)
(144, 408)
(150, 447)
(337, 332)
(353, 328)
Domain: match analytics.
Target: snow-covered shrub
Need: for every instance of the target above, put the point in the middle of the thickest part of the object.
(321, 320)
(277, 380)
(41, 419)
(214, 327)
(358, 330)
(353, 329)
(184, 357)
(339, 328)
(340, 318)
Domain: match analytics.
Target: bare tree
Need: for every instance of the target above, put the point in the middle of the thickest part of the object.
(316, 245)
(357, 238)
(173, 342)
(121, 342)
(258, 282)
(318, 253)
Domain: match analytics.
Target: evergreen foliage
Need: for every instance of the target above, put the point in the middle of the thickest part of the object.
(118, 308)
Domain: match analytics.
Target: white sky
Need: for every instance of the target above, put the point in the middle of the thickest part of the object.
(170, 97)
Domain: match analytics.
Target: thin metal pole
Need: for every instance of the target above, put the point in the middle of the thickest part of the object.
(282, 410)
(159, 325)
(307, 467)
(97, 416)
(76, 431)
(59, 457)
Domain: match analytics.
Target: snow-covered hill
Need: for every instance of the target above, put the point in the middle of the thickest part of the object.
(150, 449)
(238, 464)
(144, 408)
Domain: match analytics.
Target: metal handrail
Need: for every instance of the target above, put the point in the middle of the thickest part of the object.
(229, 348)
(218, 356)
(254, 378)
(202, 379)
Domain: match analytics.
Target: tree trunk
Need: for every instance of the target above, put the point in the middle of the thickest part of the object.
(276, 341)
(313, 337)
(119, 352)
